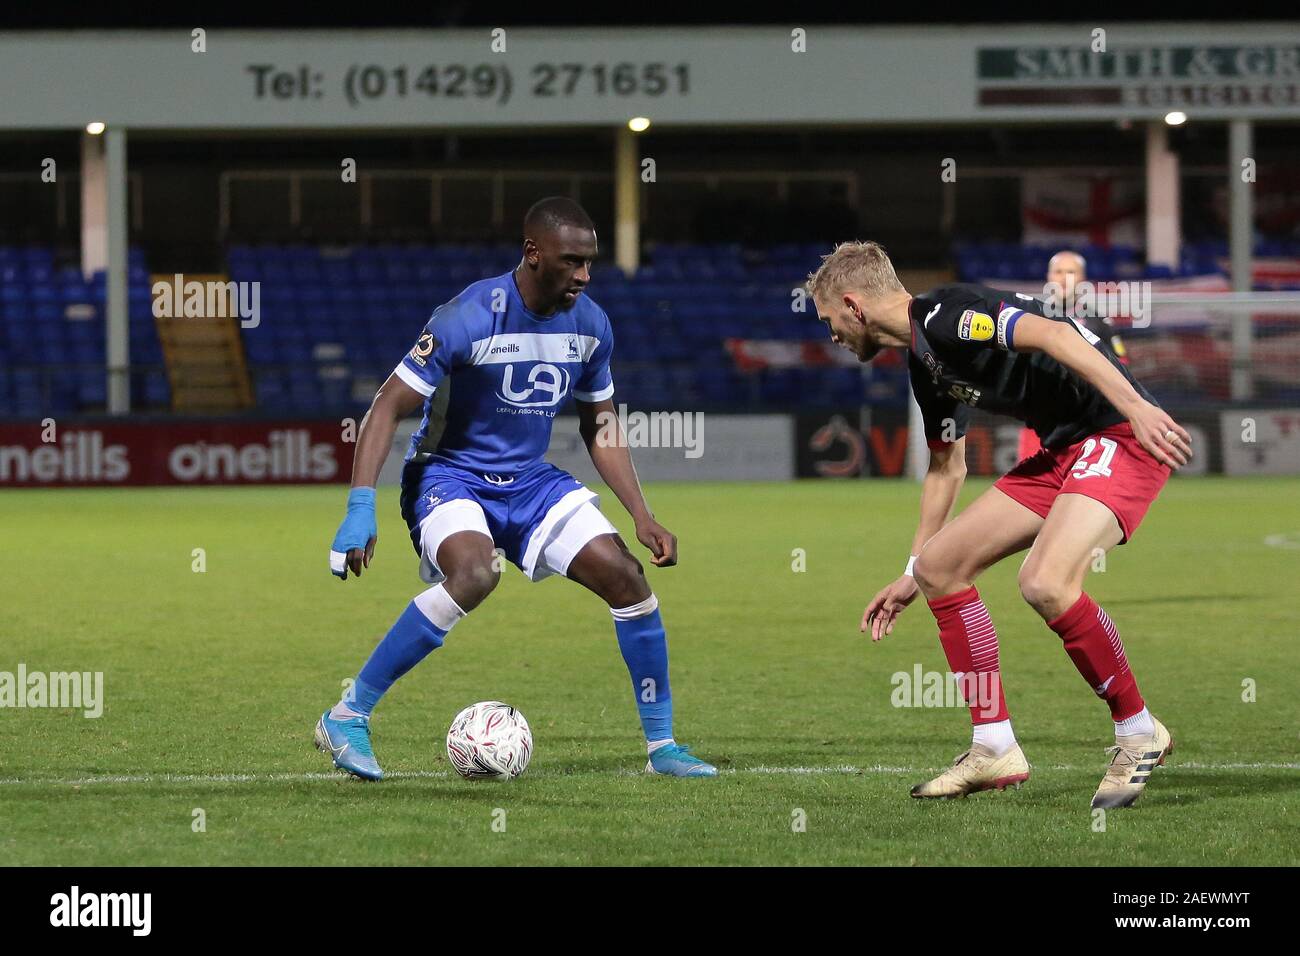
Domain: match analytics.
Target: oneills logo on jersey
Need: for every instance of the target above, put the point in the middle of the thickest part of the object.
(975, 326)
(424, 347)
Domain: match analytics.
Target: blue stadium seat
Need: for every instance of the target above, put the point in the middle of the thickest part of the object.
(156, 389)
(92, 390)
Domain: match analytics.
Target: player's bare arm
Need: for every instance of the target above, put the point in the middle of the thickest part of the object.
(613, 461)
(1166, 440)
(939, 489)
(394, 401)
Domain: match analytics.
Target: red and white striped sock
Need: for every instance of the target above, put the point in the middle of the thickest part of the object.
(1093, 644)
(971, 645)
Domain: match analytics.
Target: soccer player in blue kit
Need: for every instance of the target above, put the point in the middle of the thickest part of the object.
(491, 369)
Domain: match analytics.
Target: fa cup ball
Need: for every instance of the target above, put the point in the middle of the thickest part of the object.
(489, 740)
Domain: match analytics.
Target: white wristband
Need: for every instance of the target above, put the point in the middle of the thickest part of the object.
(907, 571)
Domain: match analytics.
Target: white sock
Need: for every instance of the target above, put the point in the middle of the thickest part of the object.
(1140, 724)
(342, 711)
(439, 607)
(653, 745)
(997, 736)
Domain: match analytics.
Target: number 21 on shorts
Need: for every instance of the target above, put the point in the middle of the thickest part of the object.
(1083, 468)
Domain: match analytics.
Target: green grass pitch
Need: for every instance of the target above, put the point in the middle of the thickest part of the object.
(213, 681)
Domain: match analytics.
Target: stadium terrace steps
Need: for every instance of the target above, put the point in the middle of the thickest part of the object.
(205, 359)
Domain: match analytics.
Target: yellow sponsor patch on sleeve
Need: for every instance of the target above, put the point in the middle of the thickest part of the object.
(975, 326)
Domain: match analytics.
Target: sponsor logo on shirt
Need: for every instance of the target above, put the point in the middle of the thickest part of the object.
(424, 347)
(975, 326)
(545, 386)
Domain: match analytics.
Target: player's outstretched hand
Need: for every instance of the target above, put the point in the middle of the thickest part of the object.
(1166, 440)
(354, 545)
(887, 605)
(661, 542)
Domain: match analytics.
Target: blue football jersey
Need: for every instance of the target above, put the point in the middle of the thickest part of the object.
(494, 375)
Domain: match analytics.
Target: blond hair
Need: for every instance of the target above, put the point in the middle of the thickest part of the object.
(854, 266)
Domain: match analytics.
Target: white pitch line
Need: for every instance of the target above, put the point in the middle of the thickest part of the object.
(208, 778)
(843, 770)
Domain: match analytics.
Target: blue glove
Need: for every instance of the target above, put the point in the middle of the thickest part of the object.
(357, 530)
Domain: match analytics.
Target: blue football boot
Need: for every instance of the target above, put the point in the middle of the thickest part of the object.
(676, 760)
(348, 744)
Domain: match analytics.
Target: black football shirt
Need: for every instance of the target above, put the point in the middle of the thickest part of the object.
(963, 356)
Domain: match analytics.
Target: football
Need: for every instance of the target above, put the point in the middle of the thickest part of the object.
(489, 740)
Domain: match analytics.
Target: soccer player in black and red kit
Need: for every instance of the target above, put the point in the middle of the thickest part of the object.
(1107, 451)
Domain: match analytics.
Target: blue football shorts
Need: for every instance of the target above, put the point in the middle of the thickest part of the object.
(539, 518)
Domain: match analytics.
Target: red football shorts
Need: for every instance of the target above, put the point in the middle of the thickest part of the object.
(1029, 443)
(1110, 467)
